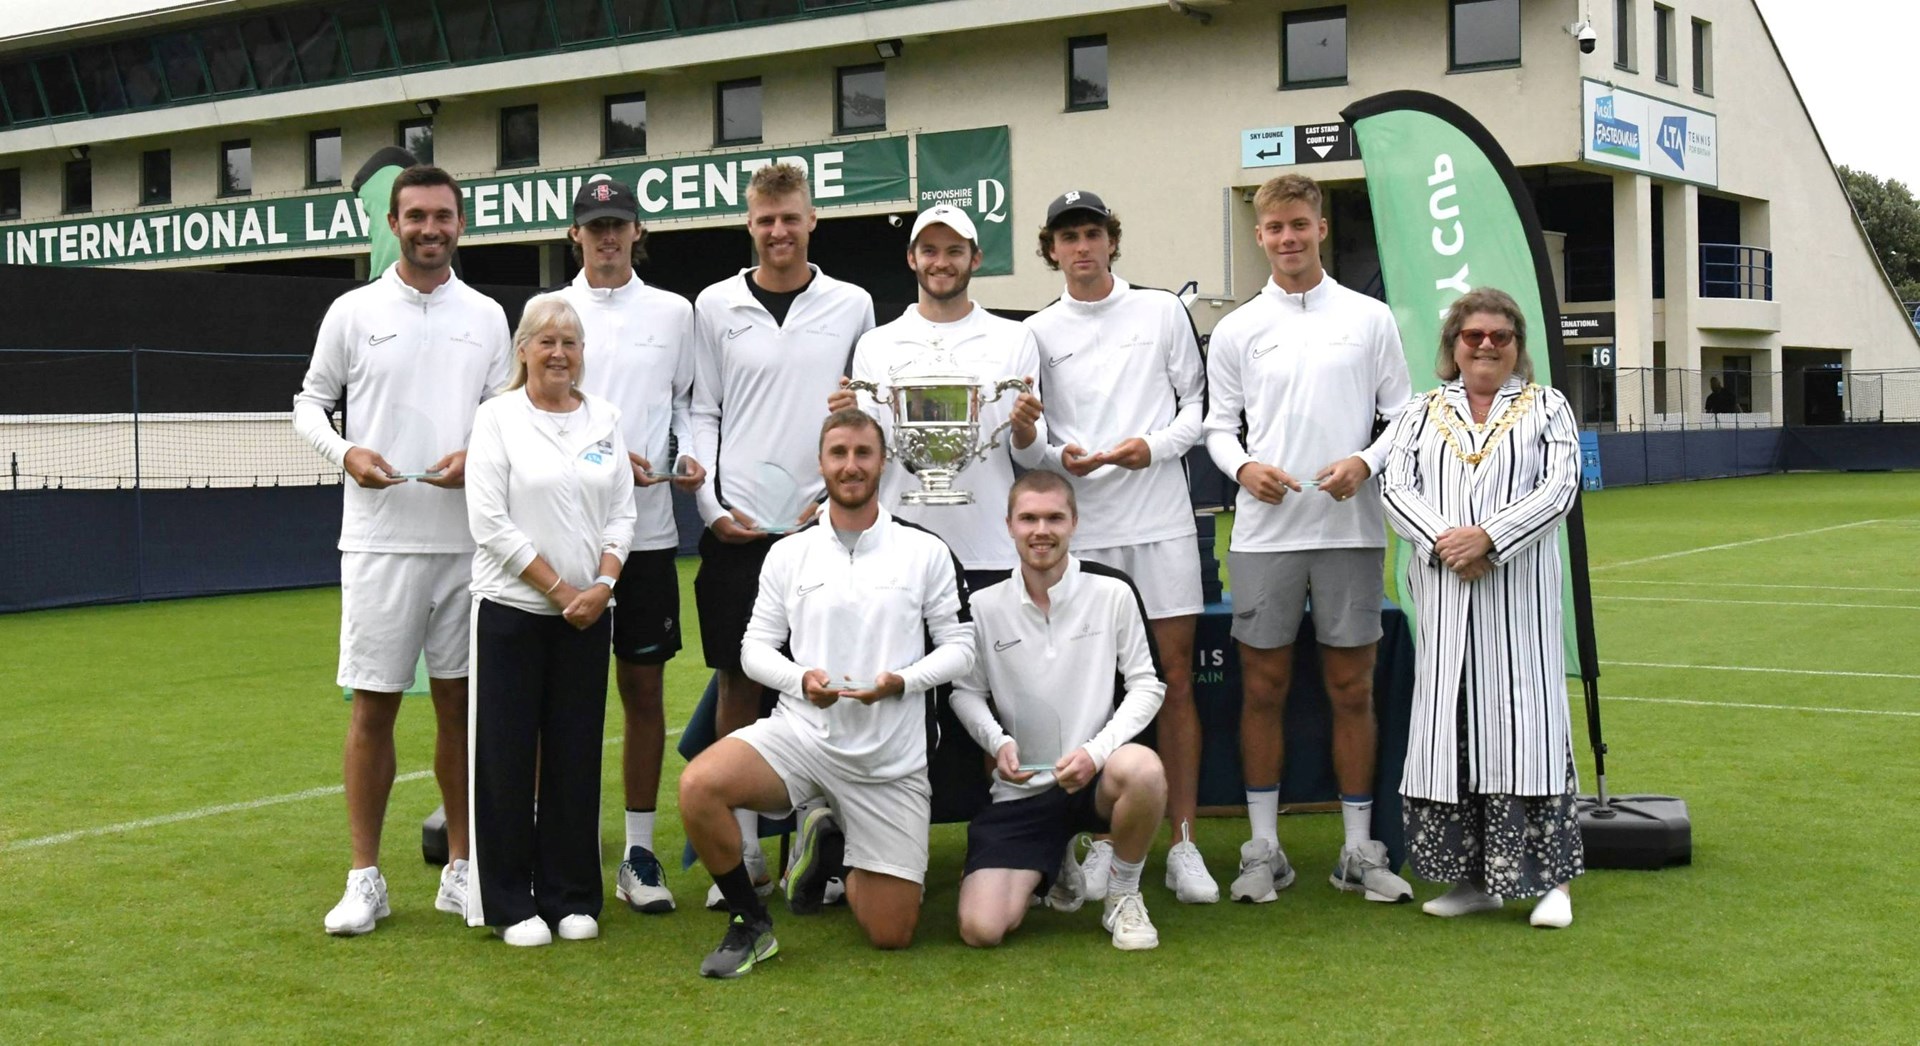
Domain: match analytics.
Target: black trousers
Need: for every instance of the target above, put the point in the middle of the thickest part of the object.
(539, 707)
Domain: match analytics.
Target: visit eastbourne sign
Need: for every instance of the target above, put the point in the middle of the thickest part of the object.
(856, 171)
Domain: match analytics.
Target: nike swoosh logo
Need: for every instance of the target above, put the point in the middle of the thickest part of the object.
(1055, 361)
(371, 340)
(1257, 353)
(732, 334)
(804, 589)
(894, 371)
(1244, 613)
(999, 645)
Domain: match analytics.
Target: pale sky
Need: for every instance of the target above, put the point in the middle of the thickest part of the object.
(1854, 62)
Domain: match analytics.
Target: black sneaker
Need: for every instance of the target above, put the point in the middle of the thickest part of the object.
(819, 857)
(748, 941)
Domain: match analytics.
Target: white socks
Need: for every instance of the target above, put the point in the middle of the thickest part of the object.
(1263, 813)
(640, 830)
(749, 821)
(371, 871)
(1125, 877)
(1356, 814)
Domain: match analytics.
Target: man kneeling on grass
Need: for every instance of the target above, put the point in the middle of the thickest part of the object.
(1054, 642)
(855, 595)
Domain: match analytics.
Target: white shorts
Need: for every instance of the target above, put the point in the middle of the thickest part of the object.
(1167, 573)
(395, 604)
(885, 822)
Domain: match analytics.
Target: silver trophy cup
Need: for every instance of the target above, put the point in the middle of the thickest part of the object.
(936, 424)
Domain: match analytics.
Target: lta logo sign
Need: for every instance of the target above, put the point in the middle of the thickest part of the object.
(1673, 140)
(1614, 136)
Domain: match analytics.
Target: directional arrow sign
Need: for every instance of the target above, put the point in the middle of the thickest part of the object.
(1325, 142)
(1267, 147)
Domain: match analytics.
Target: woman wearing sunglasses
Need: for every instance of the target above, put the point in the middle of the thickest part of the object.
(1479, 475)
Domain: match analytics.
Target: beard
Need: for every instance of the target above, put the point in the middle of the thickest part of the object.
(959, 291)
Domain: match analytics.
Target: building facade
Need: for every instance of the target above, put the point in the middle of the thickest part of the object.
(1696, 223)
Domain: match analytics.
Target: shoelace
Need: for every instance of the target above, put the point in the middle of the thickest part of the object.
(363, 885)
(1129, 913)
(1188, 858)
(740, 934)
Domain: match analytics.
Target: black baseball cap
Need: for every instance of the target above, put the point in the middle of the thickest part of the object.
(602, 197)
(1077, 200)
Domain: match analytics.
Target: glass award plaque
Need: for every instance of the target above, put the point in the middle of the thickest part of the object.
(1035, 727)
(410, 441)
(782, 493)
(658, 446)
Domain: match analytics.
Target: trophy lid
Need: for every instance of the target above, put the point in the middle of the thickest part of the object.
(936, 368)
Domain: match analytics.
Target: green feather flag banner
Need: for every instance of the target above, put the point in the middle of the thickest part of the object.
(1450, 214)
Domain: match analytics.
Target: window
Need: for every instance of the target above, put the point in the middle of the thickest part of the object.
(323, 158)
(140, 72)
(156, 176)
(10, 193)
(99, 80)
(860, 99)
(366, 35)
(186, 78)
(736, 117)
(236, 167)
(23, 98)
(1623, 34)
(316, 46)
(468, 26)
(1087, 73)
(1313, 48)
(1663, 44)
(580, 20)
(77, 195)
(520, 136)
(416, 137)
(1484, 34)
(623, 128)
(1702, 57)
(524, 25)
(226, 57)
(415, 32)
(57, 84)
(270, 52)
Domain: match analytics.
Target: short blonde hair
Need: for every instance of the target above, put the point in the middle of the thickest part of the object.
(1491, 300)
(779, 179)
(544, 313)
(1285, 189)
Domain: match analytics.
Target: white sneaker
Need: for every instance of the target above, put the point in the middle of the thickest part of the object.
(1553, 912)
(1069, 890)
(1264, 872)
(579, 928)
(1363, 870)
(756, 862)
(453, 888)
(528, 933)
(642, 884)
(1187, 872)
(1096, 870)
(1461, 900)
(364, 904)
(1125, 916)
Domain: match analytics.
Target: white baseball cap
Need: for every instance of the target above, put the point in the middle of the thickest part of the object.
(948, 215)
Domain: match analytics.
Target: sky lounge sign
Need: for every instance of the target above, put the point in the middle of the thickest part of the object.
(851, 172)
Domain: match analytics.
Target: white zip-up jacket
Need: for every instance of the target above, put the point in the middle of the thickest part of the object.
(413, 368)
(1306, 373)
(533, 492)
(1124, 366)
(1053, 674)
(990, 348)
(639, 357)
(760, 391)
(856, 614)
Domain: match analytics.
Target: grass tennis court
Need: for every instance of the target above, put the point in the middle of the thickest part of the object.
(1761, 658)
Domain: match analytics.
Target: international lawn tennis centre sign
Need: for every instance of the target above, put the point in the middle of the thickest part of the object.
(872, 170)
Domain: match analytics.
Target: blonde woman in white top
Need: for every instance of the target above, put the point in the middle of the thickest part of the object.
(550, 504)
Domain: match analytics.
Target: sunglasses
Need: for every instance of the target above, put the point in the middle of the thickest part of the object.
(1474, 337)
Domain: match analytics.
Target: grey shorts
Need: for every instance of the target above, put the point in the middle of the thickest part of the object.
(1271, 591)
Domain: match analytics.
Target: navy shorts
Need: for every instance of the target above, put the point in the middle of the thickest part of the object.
(646, 611)
(1031, 834)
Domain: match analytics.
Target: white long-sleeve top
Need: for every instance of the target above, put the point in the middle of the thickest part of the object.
(1499, 635)
(856, 613)
(413, 368)
(639, 357)
(990, 348)
(760, 389)
(532, 491)
(1127, 365)
(1306, 374)
(1069, 660)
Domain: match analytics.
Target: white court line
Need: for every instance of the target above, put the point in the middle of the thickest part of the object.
(1770, 708)
(1757, 584)
(1759, 602)
(214, 811)
(1748, 668)
(1734, 544)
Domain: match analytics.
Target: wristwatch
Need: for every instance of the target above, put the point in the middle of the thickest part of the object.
(607, 580)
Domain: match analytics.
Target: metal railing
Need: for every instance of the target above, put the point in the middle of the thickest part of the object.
(1736, 270)
(1658, 399)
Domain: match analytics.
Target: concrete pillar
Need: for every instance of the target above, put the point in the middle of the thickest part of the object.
(1681, 211)
(1633, 270)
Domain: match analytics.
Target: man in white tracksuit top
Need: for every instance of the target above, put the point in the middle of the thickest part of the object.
(1125, 397)
(413, 353)
(1305, 368)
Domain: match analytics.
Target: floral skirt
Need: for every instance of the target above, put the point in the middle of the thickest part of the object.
(1506, 845)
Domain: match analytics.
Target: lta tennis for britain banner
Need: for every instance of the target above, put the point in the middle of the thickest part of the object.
(1450, 214)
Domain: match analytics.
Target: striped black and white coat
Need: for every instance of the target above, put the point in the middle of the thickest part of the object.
(1501, 633)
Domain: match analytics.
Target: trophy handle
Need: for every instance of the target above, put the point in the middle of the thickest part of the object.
(863, 385)
(1000, 388)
